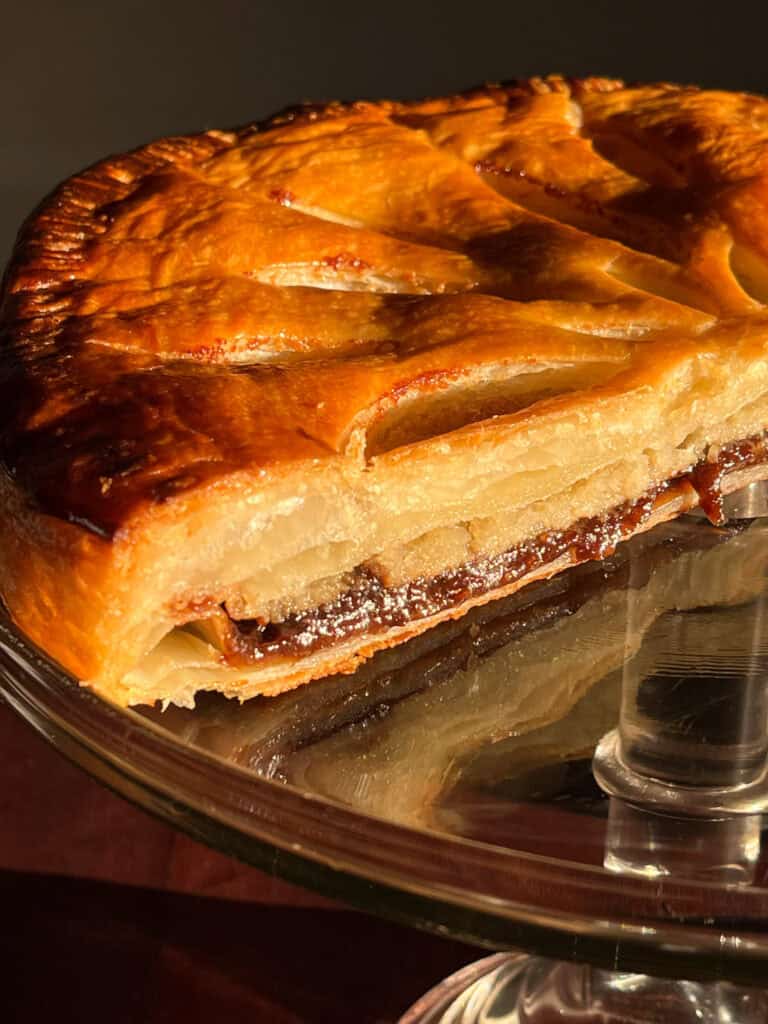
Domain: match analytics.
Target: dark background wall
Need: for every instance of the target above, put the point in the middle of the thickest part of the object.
(81, 79)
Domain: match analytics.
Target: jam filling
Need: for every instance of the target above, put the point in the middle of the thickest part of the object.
(371, 694)
(371, 607)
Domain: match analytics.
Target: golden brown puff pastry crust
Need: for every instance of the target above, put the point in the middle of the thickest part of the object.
(244, 371)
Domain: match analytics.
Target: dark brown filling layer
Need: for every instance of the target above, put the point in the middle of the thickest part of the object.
(369, 607)
(370, 693)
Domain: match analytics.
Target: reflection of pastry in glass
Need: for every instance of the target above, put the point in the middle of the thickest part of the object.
(494, 696)
(278, 398)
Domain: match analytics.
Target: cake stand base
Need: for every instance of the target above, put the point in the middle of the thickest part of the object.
(512, 988)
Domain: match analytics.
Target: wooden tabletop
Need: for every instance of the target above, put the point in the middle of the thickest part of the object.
(110, 915)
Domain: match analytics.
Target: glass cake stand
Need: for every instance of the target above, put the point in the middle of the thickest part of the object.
(578, 771)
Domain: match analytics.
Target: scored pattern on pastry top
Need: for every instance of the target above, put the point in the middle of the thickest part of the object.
(234, 300)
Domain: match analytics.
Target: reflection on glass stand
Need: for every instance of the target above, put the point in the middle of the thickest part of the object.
(686, 772)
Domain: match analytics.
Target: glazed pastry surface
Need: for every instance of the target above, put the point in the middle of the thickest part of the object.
(275, 398)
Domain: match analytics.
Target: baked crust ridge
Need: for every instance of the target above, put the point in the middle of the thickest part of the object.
(238, 365)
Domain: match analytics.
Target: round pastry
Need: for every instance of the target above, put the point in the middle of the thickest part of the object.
(279, 397)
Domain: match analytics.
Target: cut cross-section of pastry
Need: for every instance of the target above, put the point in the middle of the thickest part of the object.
(276, 398)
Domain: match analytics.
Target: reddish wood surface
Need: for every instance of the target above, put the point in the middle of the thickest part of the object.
(111, 915)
